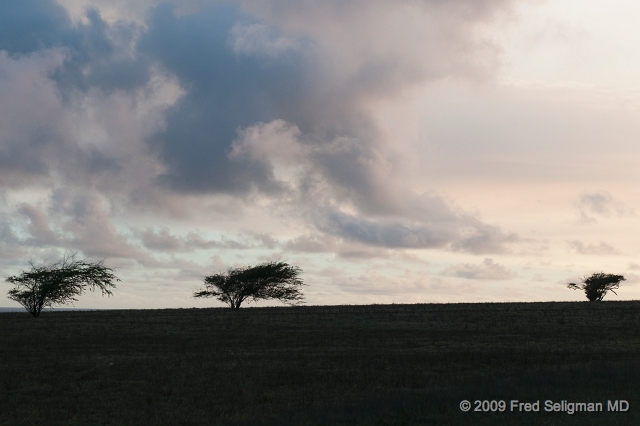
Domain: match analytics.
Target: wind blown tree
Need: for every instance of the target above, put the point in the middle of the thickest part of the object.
(597, 285)
(59, 283)
(270, 280)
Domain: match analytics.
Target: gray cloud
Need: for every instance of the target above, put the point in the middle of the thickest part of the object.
(140, 112)
(227, 91)
(60, 80)
(592, 249)
(162, 240)
(382, 213)
(345, 249)
(30, 25)
(240, 64)
(87, 226)
(311, 244)
(70, 222)
(374, 283)
(454, 231)
(93, 57)
(263, 62)
(195, 241)
(597, 202)
(487, 270)
(600, 204)
(38, 228)
(11, 247)
(387, 234)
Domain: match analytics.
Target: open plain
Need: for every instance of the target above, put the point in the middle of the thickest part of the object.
(320, 365)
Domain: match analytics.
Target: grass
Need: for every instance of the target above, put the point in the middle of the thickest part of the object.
(325, 365)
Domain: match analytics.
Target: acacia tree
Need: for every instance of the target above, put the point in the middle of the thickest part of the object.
(597, 285)
(269, 280)
(59, 283)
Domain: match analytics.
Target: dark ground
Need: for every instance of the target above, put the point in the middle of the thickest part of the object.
(330, 365)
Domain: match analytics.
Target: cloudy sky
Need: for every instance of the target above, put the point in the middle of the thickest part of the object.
(398, 152)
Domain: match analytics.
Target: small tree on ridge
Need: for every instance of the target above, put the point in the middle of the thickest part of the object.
(597, 285)
(59, 283)
(269, 280)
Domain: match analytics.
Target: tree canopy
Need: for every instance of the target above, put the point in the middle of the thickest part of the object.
(269, 280)
(59, 283)
(597, 285)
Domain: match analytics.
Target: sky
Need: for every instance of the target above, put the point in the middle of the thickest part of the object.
(415, 151)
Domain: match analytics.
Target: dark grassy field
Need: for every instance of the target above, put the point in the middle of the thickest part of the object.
(333, 365)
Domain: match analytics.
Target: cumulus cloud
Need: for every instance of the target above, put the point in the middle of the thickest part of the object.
(104, 116)
(241, 64)
(76, 103)
(32, 126)
(227, 91)
(382, 213)
(97, 54)
(313, 66)
(487, 270)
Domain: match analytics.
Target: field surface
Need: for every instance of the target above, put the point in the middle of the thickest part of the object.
(326, 365)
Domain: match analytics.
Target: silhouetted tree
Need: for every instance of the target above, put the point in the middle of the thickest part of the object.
(270, 280)
(597, 285)
(59, 283)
